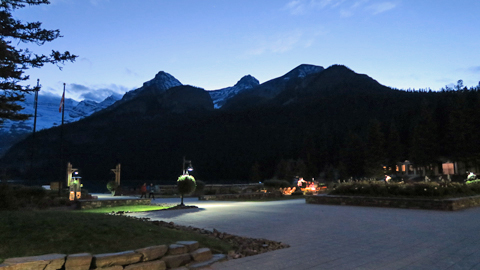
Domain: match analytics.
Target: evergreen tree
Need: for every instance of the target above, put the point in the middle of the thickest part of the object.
(309, 154)
(301, 168)
(289, 169)
(463, 127)
(353, 156)
(424, 147)
(255, 175)
(14, 61)
(459, 85)
(393, 146)
(283, 170)
(375, 153)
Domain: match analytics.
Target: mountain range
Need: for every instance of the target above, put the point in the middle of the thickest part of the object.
(311, 121)
(48, 116)
(47, 108)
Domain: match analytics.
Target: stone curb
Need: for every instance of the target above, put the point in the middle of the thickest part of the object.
(155, 257)
(215, 258)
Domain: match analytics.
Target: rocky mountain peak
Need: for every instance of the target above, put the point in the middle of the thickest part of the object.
(162, 81)
(303, 70)
(247, 81)
(220, 96)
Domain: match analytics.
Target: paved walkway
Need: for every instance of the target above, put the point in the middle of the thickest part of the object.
(340, 237)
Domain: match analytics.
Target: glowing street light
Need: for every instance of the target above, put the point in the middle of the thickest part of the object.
(189, 168)
(73, 183)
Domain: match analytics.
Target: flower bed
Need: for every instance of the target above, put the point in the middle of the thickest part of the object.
(451, 204)
(414, 190)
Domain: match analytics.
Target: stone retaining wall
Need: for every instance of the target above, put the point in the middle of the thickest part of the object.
(452, 204)
(216, 188)
(90, 204)
(182, 254)
(243, 196)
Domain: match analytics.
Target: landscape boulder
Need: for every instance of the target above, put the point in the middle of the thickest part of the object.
(80, 261)
(42, 262)
(120, 258)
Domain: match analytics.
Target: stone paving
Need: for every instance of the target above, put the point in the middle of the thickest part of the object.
(339, 237)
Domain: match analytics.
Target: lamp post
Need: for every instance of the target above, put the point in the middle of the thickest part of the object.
(73, 183)
(189, 168)
(116, 171)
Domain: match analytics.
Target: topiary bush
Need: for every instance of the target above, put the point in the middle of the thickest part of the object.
(185, 185)
(112, 187)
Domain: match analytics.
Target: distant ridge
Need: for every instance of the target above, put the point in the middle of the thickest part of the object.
(221, 96)
(267, 91)
(160, 83)
(315, 122)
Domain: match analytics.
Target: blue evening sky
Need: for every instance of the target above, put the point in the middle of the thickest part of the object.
(213, 43)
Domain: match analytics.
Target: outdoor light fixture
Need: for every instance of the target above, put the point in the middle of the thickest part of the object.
(189, 167)
(73, 183)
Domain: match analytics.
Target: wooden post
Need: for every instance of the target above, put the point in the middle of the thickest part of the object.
(116, 171)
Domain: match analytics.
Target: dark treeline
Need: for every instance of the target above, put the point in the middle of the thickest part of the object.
(351, 127)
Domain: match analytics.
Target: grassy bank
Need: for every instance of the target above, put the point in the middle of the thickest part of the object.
(31, 233)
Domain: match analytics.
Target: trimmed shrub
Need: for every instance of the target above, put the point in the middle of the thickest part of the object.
(276, 184)
(475, 187)
(475, 181)
(211, 192)
(396, 189)
(200, 188)
(420, 189)
(60, 201)
(29, 195)
(235, 190)
(185, 185)
(112, 187)
(7, 198)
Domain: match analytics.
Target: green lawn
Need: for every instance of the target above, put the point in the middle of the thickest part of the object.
(125, 208)
(31, 233)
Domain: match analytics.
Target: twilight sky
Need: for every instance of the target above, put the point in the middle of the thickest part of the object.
(213, 43)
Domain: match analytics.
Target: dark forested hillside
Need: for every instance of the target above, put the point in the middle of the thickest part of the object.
(332, 124)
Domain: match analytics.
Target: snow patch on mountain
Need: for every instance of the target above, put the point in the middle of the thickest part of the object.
(220, 96)
(304, 70)
(272, 88)
(160, 83)
(48, 114)
(88, 107)
(163, 81)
